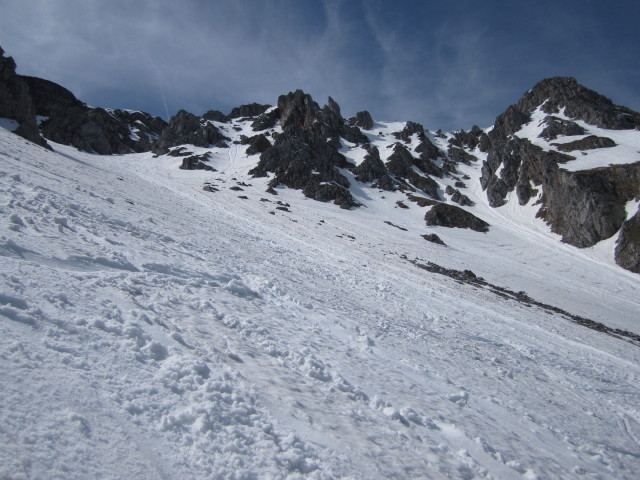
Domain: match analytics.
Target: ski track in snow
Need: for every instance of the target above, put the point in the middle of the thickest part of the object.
(152, 330)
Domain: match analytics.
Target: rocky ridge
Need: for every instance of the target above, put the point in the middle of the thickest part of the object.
(585, 206)
(302, 146)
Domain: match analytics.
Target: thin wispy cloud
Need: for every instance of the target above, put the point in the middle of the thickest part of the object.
(444, 65)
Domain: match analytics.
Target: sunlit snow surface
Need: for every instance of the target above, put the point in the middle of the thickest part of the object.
(150, 329)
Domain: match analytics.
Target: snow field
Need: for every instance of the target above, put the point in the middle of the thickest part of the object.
(153, 330)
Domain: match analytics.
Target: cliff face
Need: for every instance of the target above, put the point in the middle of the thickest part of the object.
(69, 121)
(583, 206)
(16, 102)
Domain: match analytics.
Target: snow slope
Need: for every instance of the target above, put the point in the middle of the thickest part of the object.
(151, 329)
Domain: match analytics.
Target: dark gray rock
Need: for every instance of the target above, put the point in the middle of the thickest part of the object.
(266, 120)
(297, 109)
(197, 162)
(371, 167)
(578, 102)
(627, 251)
(427, 150)
(460, 155)
(249, 110)
(304, 160)
(588, 143)
(386, 183)
(400, 164)
(485, 143)
(558, 126)
(458, 197)
(98, 130)
(467, 140)
(216, 116)
(588, 206)
(363, 120)
(102, 131)
(16, 102)
(445, 215)
(49, 97)
(410, 129)
(258, 144)
(306, 155)
(333, 106)
(186, 128)
(433, 238)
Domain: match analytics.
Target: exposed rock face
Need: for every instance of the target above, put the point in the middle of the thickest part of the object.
(49, 97)
(216, 116)
(579, 102)
(258, 144)
(583, 207)
(305, 156)
(363, 120)
(98, 130)
(306, 162)
(458, 197)
(400, 164)
(433, 238)
(266, 120)
(186, 128)
(558, 126)
(371, 167)
(587, 143)
(445, 215)
(628, 247)
(16, 102)
(197, 162)
(249, 110)
(103, 131)
(409, 129)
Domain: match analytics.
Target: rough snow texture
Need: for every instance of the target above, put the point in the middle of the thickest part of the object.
(152, 329)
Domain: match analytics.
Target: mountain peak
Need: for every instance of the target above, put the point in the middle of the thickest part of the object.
(557, 93)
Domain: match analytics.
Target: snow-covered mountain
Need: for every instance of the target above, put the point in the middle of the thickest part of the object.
(198, 306)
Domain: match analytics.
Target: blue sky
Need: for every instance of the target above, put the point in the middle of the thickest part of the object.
(447, 65)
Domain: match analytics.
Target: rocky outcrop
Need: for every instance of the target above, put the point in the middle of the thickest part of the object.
(258, 144)
(16, 102)
(98, 130)
(215, 116)
(587, 143)
(558, 126)
(267, 120)
(306, 155)
(400, 164)
(558, 93)
(102, 131)
(408, 131)
(371, 167)
(628, 246)
(457, 197)
(307, 162)
(186, 128)
(249, 110)
(445, 215)
(363, 120)
(433, 238)
(197, 162)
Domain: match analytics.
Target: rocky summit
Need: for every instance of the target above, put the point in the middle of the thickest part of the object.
(562, 151)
